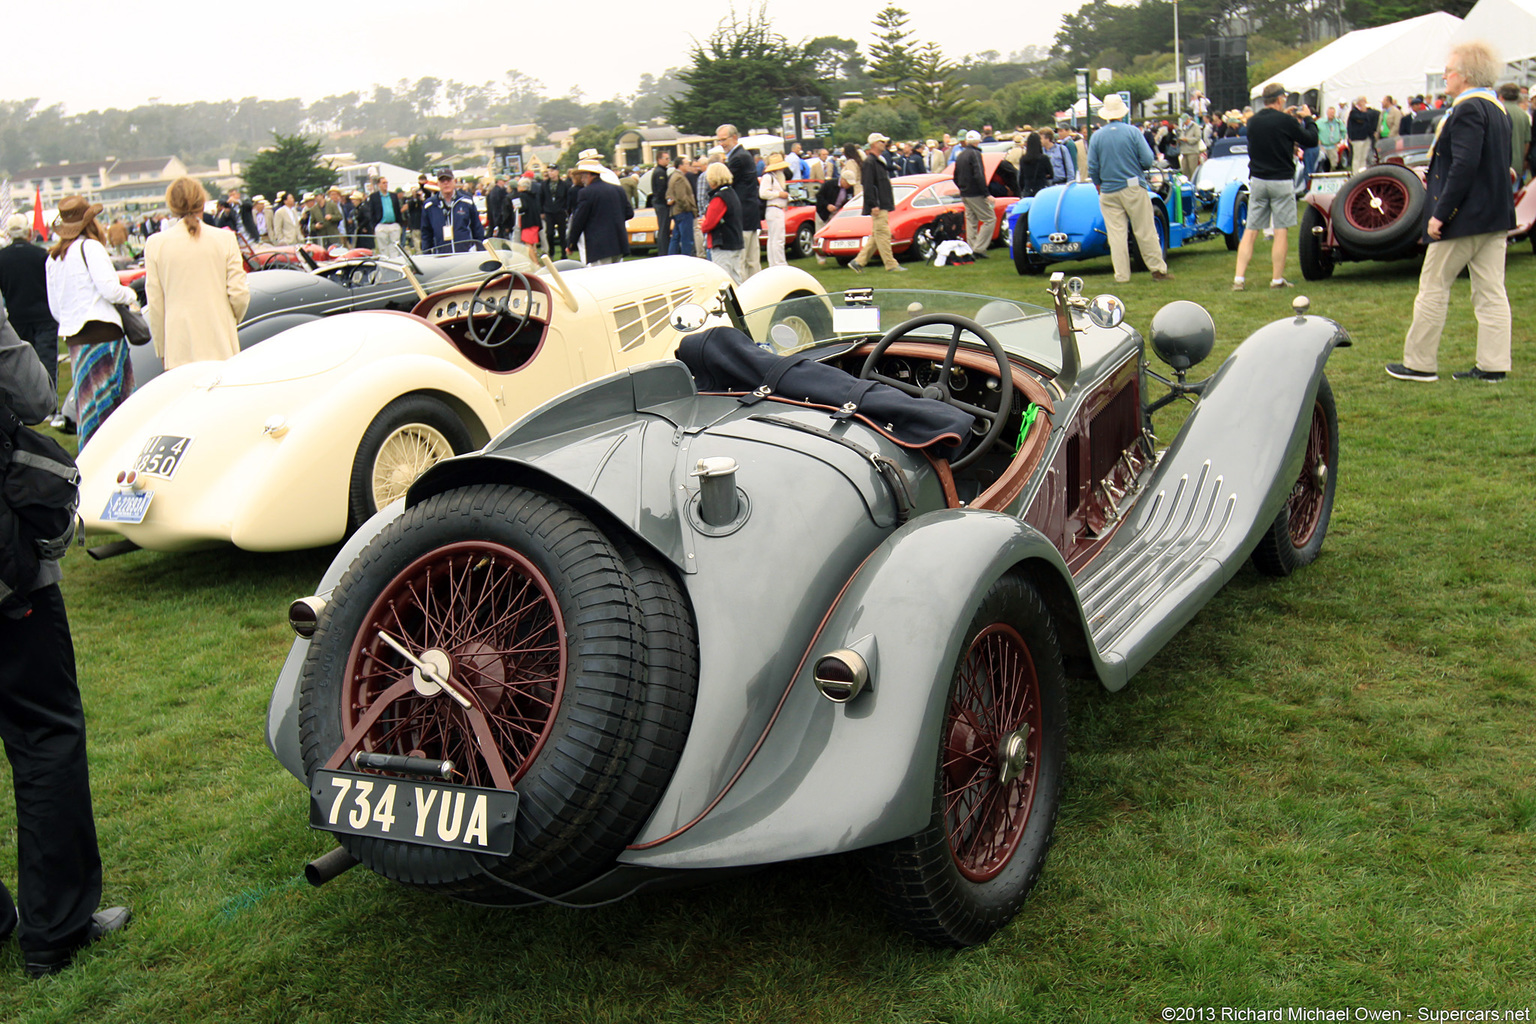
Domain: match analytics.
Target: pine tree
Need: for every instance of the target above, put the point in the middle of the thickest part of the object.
(891, 57)
(291, 165)
(936, 88)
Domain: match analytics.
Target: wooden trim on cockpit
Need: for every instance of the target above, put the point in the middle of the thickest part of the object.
(1010, 483)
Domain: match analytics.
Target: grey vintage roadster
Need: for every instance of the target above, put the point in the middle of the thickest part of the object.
(813, 587)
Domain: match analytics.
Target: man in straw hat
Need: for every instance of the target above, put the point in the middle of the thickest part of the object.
(1118, 156)
(597, 225)
(971, 181)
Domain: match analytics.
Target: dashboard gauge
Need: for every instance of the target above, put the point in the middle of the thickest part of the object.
(928, 372)
(958, 379)
(899, 369)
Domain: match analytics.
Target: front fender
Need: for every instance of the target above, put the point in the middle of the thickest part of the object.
(830, 778)
(774, 285)
(1226, 206)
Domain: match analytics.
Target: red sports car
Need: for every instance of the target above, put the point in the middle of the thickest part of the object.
(919, 199)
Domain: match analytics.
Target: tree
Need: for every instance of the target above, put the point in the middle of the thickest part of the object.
(291, 165)
(418, 152)
(559, 114)
(934, 86)
(897, 118)
(835, 57)
(590, 137)
(739, 75)
(652, 94)
(891, 57)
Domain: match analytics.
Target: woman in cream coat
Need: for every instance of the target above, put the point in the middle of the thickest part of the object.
(194, 283)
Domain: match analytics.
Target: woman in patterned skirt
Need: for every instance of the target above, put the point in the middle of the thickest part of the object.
(82, 288)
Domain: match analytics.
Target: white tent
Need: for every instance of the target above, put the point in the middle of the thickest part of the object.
(1510, 25)
(1388, 60)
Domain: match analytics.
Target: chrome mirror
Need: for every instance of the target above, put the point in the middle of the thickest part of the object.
(1106, 311)
(689, 317)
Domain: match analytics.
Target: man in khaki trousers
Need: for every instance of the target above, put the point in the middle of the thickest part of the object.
(1470, 209)
(1117, 156)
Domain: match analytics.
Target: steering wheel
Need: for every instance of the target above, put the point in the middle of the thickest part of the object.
(501, 307)
(939, 389)
(363, 272)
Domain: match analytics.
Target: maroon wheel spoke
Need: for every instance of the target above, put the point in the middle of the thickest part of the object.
(1305, 505)
(494, 615)
(996, 697)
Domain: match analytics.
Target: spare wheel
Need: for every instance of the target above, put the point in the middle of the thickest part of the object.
(543, 621)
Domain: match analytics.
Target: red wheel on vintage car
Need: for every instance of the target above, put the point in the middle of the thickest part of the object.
(1379, 210)
(494, 618)
(991, 756)
(1295, 538)
(998, 784)
(564, 667)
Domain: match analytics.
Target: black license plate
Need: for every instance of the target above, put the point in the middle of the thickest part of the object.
(1061, 247)
(409, 811)
(161, 455)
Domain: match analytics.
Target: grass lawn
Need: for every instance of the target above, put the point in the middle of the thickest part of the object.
(1320, 795)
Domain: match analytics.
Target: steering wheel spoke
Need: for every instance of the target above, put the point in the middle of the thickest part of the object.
(899, 385)
(962, 325)
(499, 310)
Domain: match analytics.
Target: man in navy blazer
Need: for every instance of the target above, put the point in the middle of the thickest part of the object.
(599, 221)
(1470, 208)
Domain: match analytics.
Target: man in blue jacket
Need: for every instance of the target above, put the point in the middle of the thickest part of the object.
(1470, 209)
(449, 220)
(601, 217)
(1118, 155)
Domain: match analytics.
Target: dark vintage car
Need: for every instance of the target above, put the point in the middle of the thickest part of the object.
(815, 587)
(1377, 214)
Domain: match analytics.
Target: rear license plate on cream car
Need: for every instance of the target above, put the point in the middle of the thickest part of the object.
(409, 811)
(127, 506)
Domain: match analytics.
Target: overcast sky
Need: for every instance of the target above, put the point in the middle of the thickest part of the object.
(168, 50)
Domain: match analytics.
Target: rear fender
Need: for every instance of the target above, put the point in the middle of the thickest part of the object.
(322, 441)
(835, 777)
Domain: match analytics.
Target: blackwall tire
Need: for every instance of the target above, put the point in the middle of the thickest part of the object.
(1379, 211)
(407, 437)
(1316, 259)
(965, 875)
(554, 647)
(1160, 225)
(805, 237)
(1295, 538)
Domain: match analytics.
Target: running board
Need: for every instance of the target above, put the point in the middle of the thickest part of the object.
(1162, 565)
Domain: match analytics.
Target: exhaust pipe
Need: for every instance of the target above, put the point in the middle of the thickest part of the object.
(324, 868)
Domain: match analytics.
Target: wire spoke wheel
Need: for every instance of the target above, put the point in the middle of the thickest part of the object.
(996, 704)
(559, 663)
(496, 618)
(1377, 203)
(997, 778)
(1295, 538)
(405, 454)
(1305, 504)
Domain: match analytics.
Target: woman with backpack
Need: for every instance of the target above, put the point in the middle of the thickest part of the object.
(82, 291)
